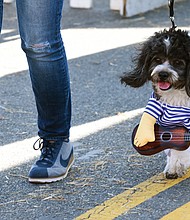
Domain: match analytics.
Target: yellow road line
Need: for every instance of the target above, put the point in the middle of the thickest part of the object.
(182, 213)
(130, 198)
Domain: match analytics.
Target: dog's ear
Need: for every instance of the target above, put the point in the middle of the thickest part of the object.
(140, 74)
(187, 49)
(187, 84)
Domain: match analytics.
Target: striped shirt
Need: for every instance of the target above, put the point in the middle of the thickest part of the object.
(168, 115)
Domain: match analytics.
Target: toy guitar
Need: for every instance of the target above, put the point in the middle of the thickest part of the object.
(177, 138)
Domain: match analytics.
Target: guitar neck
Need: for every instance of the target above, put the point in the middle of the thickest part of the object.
(187, 137)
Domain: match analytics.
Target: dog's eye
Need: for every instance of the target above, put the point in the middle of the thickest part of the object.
(158, 60)
(178, 63)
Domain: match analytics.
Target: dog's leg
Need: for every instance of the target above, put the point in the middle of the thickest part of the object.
(177, 163)
(169, 170)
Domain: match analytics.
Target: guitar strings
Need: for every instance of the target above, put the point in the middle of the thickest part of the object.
(172, 137)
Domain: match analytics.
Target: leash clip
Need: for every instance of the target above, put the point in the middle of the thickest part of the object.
(171, 7)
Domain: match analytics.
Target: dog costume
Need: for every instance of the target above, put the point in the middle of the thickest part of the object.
(162, 114)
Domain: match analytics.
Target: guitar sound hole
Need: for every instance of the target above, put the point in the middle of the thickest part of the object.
(166, 136)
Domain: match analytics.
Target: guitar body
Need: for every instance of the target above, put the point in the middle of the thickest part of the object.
(165, 138)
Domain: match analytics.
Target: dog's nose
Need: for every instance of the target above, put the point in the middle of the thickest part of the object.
(163, 75)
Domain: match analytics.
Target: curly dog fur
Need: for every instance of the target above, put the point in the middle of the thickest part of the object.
(164, 60)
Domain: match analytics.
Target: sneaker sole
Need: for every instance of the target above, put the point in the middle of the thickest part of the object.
(52, 179)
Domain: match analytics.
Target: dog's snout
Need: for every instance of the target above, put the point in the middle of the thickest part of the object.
(163, 75)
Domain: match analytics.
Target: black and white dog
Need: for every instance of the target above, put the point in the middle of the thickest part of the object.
(164, 59)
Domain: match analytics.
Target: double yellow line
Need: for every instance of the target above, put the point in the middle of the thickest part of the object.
(182, 213)
(132, 197)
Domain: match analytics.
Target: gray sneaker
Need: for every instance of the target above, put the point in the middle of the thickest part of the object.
(55, 161)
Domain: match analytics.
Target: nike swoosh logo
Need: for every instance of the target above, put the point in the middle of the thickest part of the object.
(65, 163)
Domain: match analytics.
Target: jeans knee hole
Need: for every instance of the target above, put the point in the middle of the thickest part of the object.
(38, 47)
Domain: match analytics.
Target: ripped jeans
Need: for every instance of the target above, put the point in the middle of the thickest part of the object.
(39, 27)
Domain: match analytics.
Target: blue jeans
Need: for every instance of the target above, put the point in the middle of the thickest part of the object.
(39, 26)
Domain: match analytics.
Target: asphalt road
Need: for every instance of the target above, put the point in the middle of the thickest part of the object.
(100, 47)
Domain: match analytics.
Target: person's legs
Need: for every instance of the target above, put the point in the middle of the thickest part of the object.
(39, 25)
(1, 13)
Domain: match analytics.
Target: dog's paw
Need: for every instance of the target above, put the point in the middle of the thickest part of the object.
(171, 175)
(177, 163)
(174, 172)
(181, 170)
